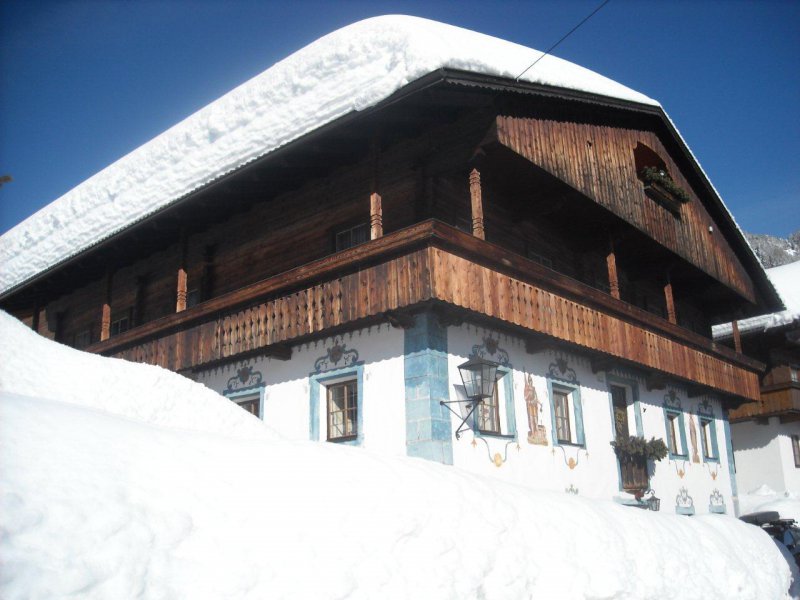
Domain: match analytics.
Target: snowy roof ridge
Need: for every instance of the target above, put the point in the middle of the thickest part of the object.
(348, 70)
(786, 281)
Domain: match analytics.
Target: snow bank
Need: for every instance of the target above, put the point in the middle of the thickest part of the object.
(765, 498)
(348, 70)
(31, 365)
(106, 504)
(786, 280)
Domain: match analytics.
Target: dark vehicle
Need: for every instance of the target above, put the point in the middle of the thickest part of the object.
(785, 531)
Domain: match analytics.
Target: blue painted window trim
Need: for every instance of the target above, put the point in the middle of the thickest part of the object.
(251, 391)
(713, 435)
(574, 392)
(678, 414)
(510, 429)
(320, 380)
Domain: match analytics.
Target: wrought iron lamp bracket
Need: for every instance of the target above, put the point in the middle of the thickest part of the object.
(472, 403)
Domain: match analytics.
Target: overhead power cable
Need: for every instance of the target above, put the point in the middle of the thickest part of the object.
(569, 33)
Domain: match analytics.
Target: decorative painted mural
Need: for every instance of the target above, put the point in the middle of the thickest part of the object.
(490, 348)
(571, 489)
(537, 432)
(337, 356)
(560, 369)
(497, 458)
(246, 377)
(693, 438)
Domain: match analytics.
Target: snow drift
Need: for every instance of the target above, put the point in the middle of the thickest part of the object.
(121, 481)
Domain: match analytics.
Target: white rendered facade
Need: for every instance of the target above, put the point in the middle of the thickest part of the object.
(400, 386)
(764, 455)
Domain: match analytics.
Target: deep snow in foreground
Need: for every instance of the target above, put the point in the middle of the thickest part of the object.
(123, 481)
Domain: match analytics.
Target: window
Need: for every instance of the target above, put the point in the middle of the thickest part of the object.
(489, 413)
(708, 438)
(619, 402)
(120, 325)
(796, 450)
(83, 339)
(567, 416)
(676, 434)
(192, 298)
(343, 410)
(251, 403)
(353, 236)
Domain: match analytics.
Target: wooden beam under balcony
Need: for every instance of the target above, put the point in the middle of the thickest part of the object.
(433, 262)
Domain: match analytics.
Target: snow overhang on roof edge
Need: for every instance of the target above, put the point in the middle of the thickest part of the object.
(351, 69)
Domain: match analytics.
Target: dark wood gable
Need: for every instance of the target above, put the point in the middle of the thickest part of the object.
(601, 163)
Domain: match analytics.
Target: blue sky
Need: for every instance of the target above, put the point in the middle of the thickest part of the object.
(84, 83)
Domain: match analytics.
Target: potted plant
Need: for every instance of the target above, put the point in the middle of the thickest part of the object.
(633, 453)
(659, 185)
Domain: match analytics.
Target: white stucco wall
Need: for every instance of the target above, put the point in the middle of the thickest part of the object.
(763, 453)
(594, 470)
(377, 353)
(287, 386)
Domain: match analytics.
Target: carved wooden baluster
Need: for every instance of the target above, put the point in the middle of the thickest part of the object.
(105, 318)
(737, 338)
(477, 204)
(670, 302)
(611, 263)
(375, 216)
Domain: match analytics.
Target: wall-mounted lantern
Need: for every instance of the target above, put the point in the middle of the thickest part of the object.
(479, 376)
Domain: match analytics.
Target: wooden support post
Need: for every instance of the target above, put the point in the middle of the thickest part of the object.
(180, 303)
(105, 317)
(737, 338)
(611, 263)
(375, 216)
(670, 302)
(477, 204)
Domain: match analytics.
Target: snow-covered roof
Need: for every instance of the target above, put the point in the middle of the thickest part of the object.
(786, 280)
(348, 70)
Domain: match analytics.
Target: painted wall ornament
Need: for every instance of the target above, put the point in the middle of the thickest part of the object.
(571, 461)
(693, 438)
(246, 377)
(671, 400)
(336, 357)
(684, 503)
(537, 432)
(571, 489)
(496, 458)
(716, 503)
(560, 369)
(490, 349)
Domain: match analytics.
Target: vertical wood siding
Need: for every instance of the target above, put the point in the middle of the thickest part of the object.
(598, 161)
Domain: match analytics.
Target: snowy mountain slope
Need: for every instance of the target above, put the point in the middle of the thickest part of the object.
(775, 251)
(103, 499)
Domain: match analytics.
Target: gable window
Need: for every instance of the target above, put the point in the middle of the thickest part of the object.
(352, 236)
(796, 450)
(566, 415)
(343, 410)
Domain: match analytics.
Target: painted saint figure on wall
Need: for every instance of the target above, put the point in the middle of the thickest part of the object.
(537, 434)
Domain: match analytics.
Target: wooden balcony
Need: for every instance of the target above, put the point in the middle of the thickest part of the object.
(780, 401)
(431, 262)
